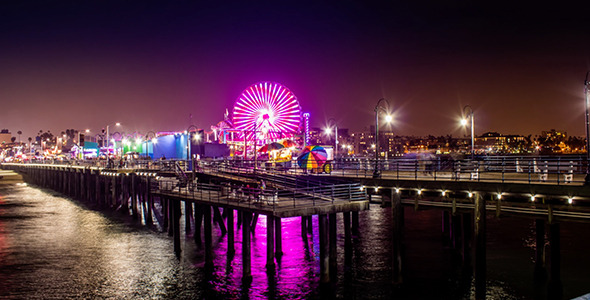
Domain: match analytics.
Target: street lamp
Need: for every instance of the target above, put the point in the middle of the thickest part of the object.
(587, 178)
(188, 140)
(328, 131)
(388, 118)
(108, 144)
(464, 123)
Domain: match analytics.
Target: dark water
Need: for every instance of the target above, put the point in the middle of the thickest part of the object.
(53, 247)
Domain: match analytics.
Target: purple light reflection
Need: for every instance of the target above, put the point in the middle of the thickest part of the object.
(296, 273)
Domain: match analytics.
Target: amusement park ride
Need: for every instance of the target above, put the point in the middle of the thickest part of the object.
(267, 121)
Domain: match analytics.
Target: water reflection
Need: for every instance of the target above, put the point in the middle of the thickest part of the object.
(53, 247)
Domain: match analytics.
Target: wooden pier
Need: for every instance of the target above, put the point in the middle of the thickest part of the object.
(138, 191)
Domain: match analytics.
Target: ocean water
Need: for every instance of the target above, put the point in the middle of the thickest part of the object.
(53, 247)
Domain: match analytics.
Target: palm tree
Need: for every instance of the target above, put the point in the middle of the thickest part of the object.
(19, 133)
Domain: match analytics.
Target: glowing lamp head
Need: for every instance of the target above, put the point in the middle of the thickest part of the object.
(388, 119)
(328, 130)
(464, 122)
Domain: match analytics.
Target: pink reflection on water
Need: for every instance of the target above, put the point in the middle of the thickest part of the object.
(296, 272)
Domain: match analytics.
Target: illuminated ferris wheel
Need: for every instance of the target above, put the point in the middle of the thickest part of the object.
(269, 109)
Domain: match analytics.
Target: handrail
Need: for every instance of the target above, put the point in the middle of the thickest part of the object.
(565, 169)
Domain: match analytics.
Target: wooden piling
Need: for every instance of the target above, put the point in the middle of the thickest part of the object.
(355, 222)
(555, 289)
(480, 246)
(540, 272)
(198, 221)
(230, 231)
(246, 251)
(208, 236)
(176, 221)
(270, 243)
(219, 220)
(347, 230)
(396, 253)
(332, 238)
(304, 227)
(188, 212)
(278, 237)
(324, 249)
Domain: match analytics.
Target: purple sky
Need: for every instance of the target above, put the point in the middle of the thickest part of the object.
(150, 64)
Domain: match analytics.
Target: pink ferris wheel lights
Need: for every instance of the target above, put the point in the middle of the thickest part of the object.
(268, 108)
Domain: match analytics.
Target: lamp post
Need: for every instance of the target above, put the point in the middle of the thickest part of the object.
(188, 141)
(379, 108)
(464, 123)
(587, 178)
(108, 144)
(328, 130)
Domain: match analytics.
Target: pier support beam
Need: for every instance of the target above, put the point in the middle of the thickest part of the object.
(540, 273)
(133, 180)
(480, 246)
(278, 237)
(270, 243)
(198, 223)
(246, 251)
(150, 202)
(555, 285)
(332, 240)
(188, 212)
(396, 215)
(355, 222)
(176, 223)
(324, 249)
(467, 239)
(231, 249)
(446, 227)
(304, 228)
(208, 236)
(347, 230)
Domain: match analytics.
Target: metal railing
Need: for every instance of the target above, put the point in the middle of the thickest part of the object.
(525, 169)
(271, 198)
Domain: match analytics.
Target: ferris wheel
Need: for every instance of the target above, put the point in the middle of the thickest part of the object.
(269, 109)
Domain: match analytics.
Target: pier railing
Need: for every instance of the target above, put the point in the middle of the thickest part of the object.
(526, 169)
(538, 169)
(272, 198)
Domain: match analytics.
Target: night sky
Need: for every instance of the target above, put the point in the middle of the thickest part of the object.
(152, 64)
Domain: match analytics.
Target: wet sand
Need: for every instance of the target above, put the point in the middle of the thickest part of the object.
(8, 177)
